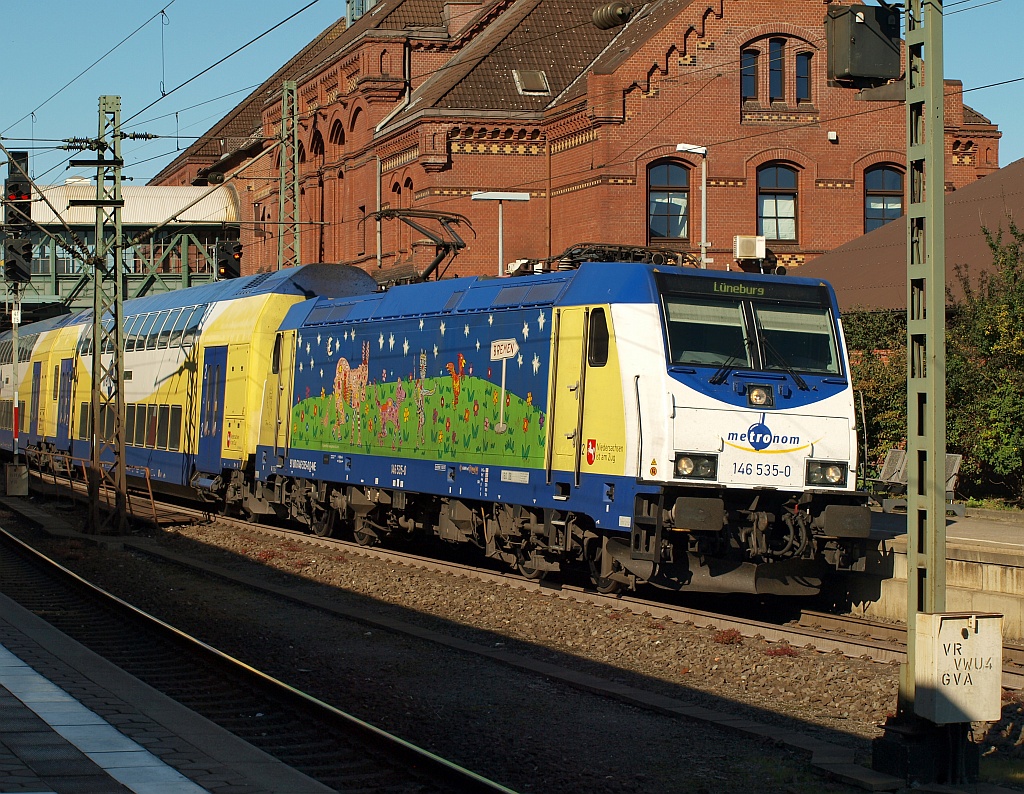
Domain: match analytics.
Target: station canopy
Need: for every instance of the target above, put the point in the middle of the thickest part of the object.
(144, 205)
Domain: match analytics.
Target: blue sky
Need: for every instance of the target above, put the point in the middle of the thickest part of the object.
(981, 40)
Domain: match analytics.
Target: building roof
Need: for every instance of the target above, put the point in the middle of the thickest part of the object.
(555, 37)
(144, 205)
(870, 272)
(239, 125)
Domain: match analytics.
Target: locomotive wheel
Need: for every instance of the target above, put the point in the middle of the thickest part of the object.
(527, 569)
(364, 534)
(323, 520)
(602, 584)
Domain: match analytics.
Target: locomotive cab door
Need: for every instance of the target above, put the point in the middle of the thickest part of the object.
(211, 410)
(67, 373)
(567, 391)
(282, 368)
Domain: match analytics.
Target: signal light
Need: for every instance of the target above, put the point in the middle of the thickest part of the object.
(18, 195)
(18, 260)
(229, 260)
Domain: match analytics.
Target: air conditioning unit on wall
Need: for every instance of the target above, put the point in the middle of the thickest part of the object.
(748, 246)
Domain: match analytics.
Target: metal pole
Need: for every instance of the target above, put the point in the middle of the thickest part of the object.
(108, 414)
(704, 210)
(926, 332)
(501, 238)
(288, 241)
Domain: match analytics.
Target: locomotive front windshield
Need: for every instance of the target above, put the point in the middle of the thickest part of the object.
(752, 327)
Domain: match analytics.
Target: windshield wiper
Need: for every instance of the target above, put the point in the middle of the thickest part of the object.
(723, 371)
(770, 348)
(800, 382)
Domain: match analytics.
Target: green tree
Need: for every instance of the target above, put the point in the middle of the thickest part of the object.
(985, 370)
(984, 373)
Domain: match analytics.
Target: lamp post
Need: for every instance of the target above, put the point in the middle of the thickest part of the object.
(501, 198)
(703, 152)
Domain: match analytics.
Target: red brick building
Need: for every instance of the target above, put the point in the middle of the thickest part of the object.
(422, 103)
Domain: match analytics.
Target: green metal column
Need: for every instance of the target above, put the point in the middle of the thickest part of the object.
(288, 253)
(926, 331)
(108, 479)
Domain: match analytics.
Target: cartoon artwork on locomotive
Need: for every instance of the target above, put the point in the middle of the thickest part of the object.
(415, 394)
(647, 424)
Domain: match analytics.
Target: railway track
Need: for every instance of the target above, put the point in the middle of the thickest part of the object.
(851, 636)
(855, 637)
(323, 742)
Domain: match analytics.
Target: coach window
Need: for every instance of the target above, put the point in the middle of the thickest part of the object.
(154, 334)
(597, 345)
(191, 331)
(143, 333)
(163, 419)
(85, 423)
(129, 325)
(151, 426)
(129, 424)
(776, 203)
(140, 425)
(175, 429)
(56, 381)
(883, 196)
(668, 201)
(165, 330)
(179, 327)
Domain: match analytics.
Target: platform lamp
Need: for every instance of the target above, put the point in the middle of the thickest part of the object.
(501, 198)
(703, 152)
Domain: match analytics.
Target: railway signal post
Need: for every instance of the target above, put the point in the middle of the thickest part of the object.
(927, 741)
(108, 486)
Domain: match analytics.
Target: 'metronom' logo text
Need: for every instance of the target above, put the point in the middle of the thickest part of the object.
(759, 437)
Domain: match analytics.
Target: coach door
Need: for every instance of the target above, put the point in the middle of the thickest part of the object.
(567, 392)
(37, 376)
(211, 410)
(67, 372)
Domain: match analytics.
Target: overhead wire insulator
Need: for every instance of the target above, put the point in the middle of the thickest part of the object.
(611, 15)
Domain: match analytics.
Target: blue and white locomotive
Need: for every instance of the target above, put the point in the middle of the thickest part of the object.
(650, 424)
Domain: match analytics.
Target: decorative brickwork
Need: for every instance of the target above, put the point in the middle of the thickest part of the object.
(620, 101)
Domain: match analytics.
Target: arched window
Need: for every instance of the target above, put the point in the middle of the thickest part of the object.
(776, 73)
(803, 77)
(337, 136)
(316, 147)
(748, 75)
(776, 202)
(883, 196)
(668, 201)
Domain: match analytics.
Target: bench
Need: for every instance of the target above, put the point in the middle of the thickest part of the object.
(891, 482)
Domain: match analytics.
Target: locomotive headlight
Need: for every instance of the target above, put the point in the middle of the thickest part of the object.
(696, 467)
(826, 472)
(760, 396)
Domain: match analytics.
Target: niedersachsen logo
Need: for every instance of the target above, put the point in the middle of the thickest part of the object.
(759, 438)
